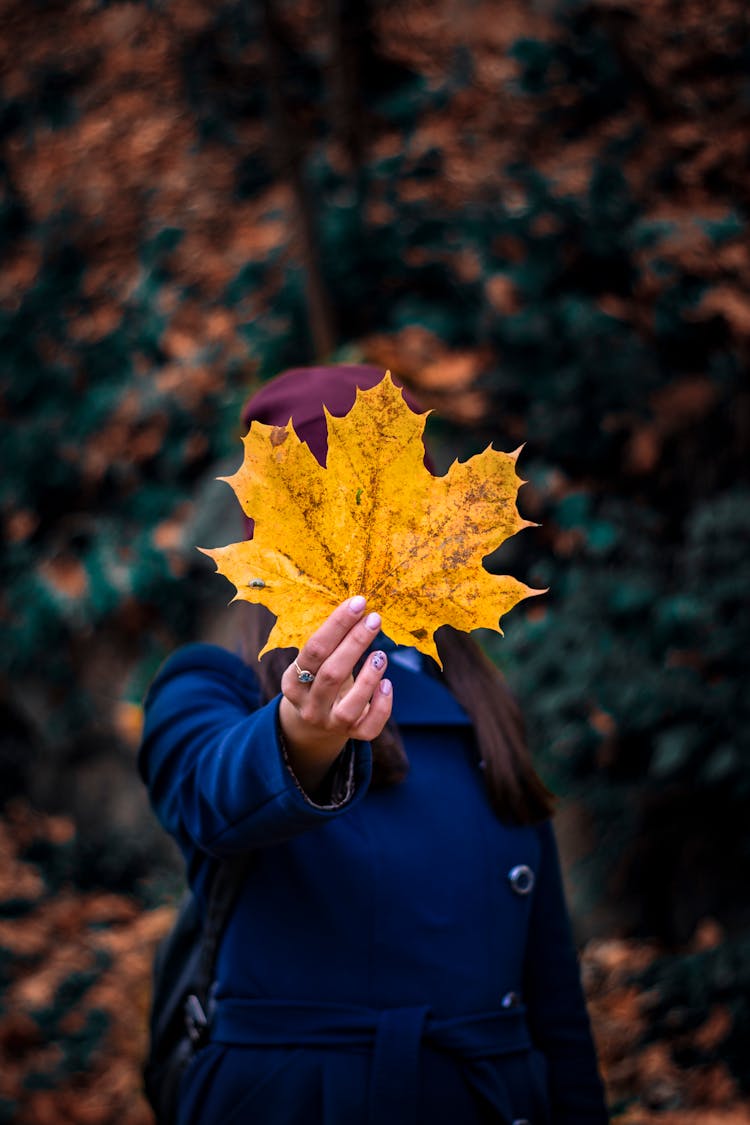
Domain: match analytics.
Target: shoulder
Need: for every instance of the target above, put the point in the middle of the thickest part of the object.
(205, 663)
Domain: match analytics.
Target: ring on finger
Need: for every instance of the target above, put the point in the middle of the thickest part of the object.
(303, 675)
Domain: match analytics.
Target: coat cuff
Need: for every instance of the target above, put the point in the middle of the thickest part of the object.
(277, 809)
(337, 787)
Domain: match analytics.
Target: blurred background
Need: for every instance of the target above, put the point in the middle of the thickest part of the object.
(534, 212)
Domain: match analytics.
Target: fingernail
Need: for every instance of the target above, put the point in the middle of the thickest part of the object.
(372, 621)
(386, 687)
(377, 660)
(357, 604)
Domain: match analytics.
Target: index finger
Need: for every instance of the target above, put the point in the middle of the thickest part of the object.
(331, 633)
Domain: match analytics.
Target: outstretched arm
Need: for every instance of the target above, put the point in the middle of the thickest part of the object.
(217, 761)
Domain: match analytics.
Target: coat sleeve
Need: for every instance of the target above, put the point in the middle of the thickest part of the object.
(556, 1006)
(214, 763)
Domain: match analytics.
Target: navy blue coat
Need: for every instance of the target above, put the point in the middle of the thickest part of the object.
(399, 956)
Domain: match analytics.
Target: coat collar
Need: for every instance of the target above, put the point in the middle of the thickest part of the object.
(419, 698)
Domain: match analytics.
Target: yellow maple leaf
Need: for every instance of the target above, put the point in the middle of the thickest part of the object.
(375, 522)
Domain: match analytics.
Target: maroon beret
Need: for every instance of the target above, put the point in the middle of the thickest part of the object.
(301, 393)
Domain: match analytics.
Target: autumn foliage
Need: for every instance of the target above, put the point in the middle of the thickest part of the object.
(539, 222)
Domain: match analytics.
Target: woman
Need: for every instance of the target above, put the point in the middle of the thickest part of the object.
(400, 950)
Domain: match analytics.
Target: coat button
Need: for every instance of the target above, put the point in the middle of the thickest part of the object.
(510, 1000)
(521, 879)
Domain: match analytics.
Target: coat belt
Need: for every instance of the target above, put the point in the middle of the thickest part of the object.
(396, 1036)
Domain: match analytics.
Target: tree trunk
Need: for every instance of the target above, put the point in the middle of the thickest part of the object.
(289, 158)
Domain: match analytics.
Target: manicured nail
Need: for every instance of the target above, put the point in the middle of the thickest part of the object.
(377, 660)
(386, 687)
(357, 604)
(372, 621)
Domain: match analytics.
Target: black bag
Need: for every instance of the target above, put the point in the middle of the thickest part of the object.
(181, 998)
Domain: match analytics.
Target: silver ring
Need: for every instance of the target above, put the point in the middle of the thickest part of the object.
(303, 675)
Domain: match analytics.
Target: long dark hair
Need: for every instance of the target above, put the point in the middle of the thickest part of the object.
(516, 792)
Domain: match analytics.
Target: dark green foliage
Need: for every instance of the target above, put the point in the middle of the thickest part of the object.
(98, 523)
(8, 1111)
(683, 991)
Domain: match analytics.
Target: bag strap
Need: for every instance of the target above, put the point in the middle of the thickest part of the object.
(225, 886)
